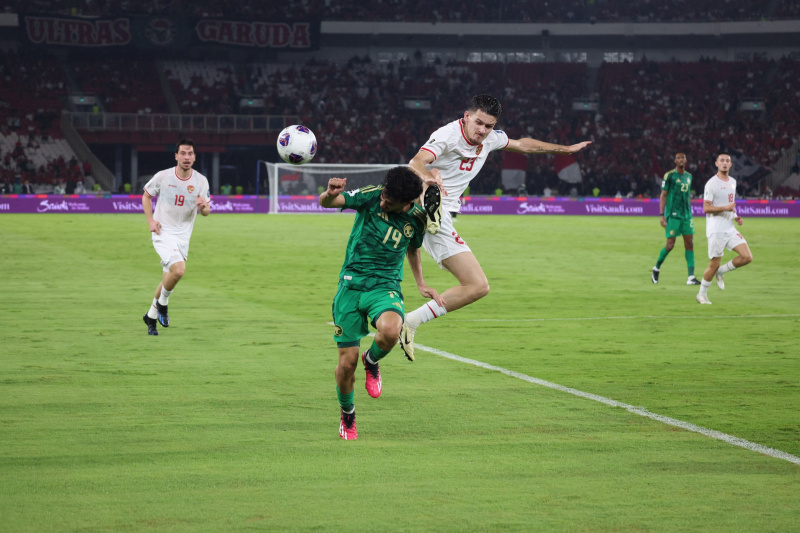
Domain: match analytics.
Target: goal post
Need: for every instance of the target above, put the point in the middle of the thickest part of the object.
(312, 178)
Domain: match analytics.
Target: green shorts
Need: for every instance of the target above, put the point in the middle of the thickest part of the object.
(679, 226)
(352, 310)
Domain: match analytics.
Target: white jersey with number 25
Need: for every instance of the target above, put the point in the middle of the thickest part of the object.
(458, 160)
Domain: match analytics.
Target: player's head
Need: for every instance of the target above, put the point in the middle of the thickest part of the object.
(401, 187)
(488, 104)
(184, 153)
(480, 118)
(724, 162)
(680, 160)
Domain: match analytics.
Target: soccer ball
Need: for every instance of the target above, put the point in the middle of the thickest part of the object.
(297, 145)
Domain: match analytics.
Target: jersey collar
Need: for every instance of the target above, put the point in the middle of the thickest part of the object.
(461, 123)
(191, 173)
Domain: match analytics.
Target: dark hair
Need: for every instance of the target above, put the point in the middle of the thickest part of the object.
(488, 104)
(184, 142)
(723, 153)
(402, 185)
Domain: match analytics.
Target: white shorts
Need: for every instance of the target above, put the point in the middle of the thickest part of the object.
(717, 242)
(170, 249)
(446, 243)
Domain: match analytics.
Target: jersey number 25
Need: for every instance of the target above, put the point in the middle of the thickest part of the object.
(466, 164)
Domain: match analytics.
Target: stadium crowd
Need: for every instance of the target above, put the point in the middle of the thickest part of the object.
(432, 11)
(358, 109)
(647, 110)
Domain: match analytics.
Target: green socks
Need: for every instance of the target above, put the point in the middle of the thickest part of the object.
(662, 257)
(689, 254)
(376, 353)
(346, 400)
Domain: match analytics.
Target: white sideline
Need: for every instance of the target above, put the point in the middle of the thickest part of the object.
(641, 411)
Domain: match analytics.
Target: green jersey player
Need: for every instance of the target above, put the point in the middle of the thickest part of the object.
(676, 216)
(389, 226)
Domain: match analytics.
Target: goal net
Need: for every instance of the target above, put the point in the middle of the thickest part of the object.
(312, 178)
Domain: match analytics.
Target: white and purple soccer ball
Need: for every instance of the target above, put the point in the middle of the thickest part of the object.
(297, 145)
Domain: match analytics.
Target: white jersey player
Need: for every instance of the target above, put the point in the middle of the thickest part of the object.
(719, 204)
(182, 193)
(451, 159)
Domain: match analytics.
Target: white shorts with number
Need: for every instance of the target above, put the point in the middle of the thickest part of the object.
(170, 249)
(446, 243)
(717, 242)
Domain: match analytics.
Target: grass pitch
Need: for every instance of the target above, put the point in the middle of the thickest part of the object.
(228, 420)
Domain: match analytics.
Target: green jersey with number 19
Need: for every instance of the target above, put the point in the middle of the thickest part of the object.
(378, 241)
(679, 190)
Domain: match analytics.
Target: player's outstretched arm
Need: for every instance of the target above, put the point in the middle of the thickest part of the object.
(533, 146)
(415, 262)
(333, 196)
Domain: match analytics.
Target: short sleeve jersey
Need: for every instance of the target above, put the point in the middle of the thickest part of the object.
(458, 160)
(719, 193)
(679, 190)
(176, 209)
(378, 241)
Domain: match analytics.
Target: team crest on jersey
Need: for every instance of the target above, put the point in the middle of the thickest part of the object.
(432, 141)
(337, 330)
(408, 231)
(190, 189)
(479, 149)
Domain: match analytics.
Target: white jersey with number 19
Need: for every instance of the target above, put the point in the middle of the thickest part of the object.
(458, 160)
(176, 207)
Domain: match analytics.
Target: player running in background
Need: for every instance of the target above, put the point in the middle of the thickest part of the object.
(182, 193)
(458, 151)
(676, 216)
(719, 204)
(389, 226)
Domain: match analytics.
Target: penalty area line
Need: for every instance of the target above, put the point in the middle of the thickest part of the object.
(641, 411)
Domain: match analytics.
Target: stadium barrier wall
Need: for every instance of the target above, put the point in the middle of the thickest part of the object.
(471, 205)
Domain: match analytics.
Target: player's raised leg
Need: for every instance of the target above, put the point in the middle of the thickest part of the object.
(473, 286)
(745, 257)
(432, 203)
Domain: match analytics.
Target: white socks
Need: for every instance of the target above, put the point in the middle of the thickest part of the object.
(727, 267)
(153, 312)
(426, 313)
(704, 285)
(164, 298)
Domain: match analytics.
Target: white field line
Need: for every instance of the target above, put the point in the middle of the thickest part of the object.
(641, 411)
(568, 319)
